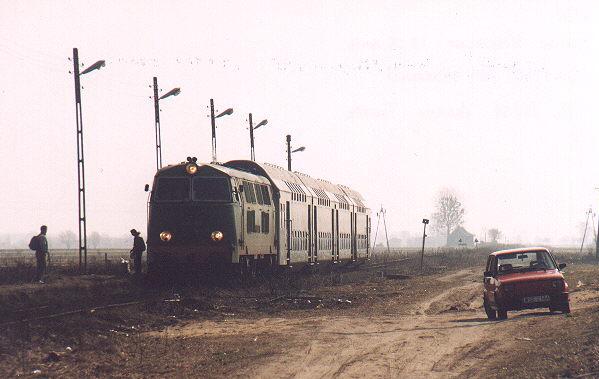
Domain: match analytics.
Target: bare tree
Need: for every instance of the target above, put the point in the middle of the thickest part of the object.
(94, 240)
(449, 214)
(495, 234)
(67, 238)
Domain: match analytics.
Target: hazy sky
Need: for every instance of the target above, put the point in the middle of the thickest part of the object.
(399, 99)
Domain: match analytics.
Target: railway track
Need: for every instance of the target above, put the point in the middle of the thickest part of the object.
(48, 312)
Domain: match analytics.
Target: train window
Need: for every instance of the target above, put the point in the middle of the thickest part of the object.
(265, 223)
(211, 189)
(248, 190)
(265, 195)
(258, 194)
(172, 189)
(251, 221)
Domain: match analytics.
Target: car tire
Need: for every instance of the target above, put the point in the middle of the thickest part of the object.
(491, 313)
(566, 309)
(502, 314)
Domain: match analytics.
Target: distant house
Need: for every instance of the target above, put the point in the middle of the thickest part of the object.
(460, 237)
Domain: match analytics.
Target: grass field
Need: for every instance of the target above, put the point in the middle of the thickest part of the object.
(18, 266)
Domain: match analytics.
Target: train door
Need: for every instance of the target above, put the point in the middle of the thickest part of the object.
(333, 234)
(354, 239)
(241, 226)
(316, 239)
(310, 250)
(368, 237)
(351, 235)
(288, 227)
(336, 234)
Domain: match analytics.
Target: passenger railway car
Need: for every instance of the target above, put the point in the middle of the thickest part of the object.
(251, 216)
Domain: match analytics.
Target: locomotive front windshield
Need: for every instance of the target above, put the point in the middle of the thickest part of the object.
(211, 189)
(172, 189)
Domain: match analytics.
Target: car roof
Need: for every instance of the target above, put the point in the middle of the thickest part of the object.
(520, 250)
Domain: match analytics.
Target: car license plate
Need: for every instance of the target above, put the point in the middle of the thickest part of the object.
(536, 299)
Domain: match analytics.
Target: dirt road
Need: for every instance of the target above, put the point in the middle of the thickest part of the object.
(430, 326)
(425, 341)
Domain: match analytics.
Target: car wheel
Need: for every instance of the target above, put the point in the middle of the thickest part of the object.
(502, 314)
(491, 313)
(566, 309)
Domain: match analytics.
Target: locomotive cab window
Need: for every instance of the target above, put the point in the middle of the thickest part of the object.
(265, 195)
(251, 221)
(211, 189)
(248, 192)
(258, 194)
(265, 223)
(172, 189)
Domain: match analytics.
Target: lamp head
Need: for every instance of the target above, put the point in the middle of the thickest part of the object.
(173, 92)
(299, 149)
(95, 66)
(261, 123)
(225, 113)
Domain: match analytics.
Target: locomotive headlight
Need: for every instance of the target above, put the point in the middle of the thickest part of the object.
(166, 236)
(217, 235)
(191, 168)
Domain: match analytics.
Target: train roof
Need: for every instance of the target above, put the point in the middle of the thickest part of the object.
(288, 181)
(178, 169)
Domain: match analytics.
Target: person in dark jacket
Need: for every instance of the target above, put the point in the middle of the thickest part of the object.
(139, 246)
(41, 253)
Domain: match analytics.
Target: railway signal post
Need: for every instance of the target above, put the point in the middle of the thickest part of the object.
(80, 157)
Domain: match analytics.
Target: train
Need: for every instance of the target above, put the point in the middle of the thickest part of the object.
(248, 216)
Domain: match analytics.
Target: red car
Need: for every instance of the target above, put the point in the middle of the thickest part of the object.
(524, 279)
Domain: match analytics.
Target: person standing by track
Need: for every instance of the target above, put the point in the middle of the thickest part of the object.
(139, 246)
(41, 253)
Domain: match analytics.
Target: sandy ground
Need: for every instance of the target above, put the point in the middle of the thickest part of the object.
(431, 326)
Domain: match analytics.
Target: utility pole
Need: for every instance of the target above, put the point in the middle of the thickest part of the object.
(381, 214)
(425, 222)
(288, 152)
(213, 118)
(157, 126)
(80, 157)
(586, 224)
(252, 156)
(213, 121)
(80, 167)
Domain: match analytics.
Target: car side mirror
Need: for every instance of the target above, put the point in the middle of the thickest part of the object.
(146, 187)
(561, 265)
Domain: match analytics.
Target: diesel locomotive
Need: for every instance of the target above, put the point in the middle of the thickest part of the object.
(246, 215)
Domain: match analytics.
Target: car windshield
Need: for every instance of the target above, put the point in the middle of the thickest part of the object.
(211, 189)
(525, 261)
(172, 189)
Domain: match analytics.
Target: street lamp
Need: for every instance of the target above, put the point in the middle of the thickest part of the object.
(252, 128)
(80, 157)
(289, 151)
(173, 92)
(425, 222)
(213, 118)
